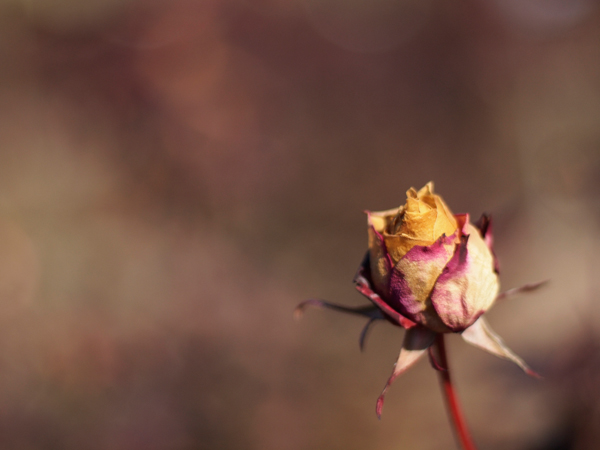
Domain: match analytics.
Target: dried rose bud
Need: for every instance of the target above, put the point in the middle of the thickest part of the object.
(429, 271)
(429, 265)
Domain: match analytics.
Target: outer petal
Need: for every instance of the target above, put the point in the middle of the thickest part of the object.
(363, 285)
(484, 224)
(413, 279)
(381, 269)
(416, 342)
(481, 335)
(468, 285)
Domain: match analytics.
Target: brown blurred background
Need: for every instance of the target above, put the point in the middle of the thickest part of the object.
(175, 176)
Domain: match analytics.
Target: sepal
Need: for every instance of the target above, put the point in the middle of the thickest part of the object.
(481, 335)
(370, 311)
(416, 342)
(521, 289)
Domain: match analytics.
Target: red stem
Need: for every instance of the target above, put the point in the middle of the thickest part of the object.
(458, 420)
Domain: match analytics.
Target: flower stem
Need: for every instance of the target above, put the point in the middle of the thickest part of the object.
(454, 409)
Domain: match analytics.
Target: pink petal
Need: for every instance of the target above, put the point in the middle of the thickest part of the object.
(416, 342)
(468, 285)
(413, 278)
(449, 293)
(363, 285)
(480, 335)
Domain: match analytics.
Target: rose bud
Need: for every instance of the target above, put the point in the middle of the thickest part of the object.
(429, 271)
(429, 265)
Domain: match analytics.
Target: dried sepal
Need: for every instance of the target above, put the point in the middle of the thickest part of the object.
(372, 312)
(521, 289)
(481, 335)
(416, 342)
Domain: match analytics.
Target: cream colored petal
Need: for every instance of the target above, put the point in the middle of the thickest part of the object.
(468, 285)
(377, 222)
(381, 219)
(483, 280)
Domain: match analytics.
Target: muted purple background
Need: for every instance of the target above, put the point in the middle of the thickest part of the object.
(175, 176)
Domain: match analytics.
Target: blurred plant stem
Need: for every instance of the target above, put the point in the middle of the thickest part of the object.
(440, 362)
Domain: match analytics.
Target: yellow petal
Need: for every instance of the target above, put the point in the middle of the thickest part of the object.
(445, 222)
(426, 190)
(420, 221)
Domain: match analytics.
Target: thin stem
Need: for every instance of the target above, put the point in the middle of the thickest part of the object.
(452, 403)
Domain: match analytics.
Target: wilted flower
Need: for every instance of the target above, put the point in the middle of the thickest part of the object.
(430, 272)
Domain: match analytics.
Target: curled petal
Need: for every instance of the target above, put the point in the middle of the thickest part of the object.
(522, 289)
(481, 335)
(416, 342)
